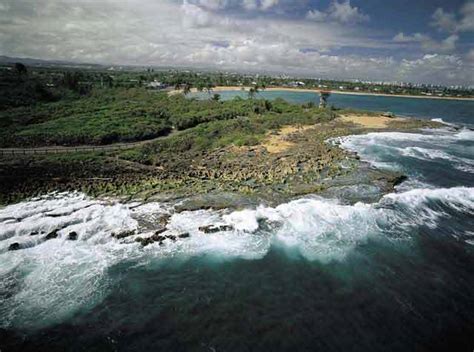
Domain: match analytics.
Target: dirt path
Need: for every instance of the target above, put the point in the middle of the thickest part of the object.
(76, 149)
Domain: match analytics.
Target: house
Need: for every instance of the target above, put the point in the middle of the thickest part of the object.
(156, 85)
(296, 84)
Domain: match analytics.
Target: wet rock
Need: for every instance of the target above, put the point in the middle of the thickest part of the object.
(157, 238)
(213, 229)
(159, 231)
(123, 234)
(52, 235)
(163, 221)
(184, 235)
(144, 241)
(14, 246)
(34, 233)
(72, 236)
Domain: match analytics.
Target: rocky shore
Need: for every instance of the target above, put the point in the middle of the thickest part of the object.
(290, 162)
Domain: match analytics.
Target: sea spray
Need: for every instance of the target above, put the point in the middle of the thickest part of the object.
(54, 279)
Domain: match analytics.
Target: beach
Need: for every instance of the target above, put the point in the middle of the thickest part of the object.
(317, 91)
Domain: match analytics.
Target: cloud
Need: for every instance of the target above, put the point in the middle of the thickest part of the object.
(447, 45)
(266, 4)
(248, 5)
(434, 67)
(415, 38)
(210, 34)
(345, 13)
(342, 12)
(467, 21)
(428, 44)
(452, 23)
(445, 21)
(470, 56)
(194, 16)
(317, 16)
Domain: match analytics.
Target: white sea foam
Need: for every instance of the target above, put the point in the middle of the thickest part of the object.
(48, 281)
(444, 122)
(387, 149)
(54, 279)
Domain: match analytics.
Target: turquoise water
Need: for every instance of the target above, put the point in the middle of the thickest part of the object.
(312, 274)
(455, 111)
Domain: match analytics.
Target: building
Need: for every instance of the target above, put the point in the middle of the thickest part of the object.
(156, 85)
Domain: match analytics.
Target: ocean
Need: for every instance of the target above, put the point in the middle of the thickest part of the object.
(456, 111)
(313, 274)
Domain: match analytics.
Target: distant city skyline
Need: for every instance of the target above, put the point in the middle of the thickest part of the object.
(397, 41)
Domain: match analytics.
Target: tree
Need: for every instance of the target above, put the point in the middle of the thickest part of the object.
(71, 80)
(208, 88)
(187, 88)
(20, 69)
(253, 91)
(200, 86)
(323, 98)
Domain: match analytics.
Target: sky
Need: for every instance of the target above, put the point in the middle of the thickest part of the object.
(391, 40)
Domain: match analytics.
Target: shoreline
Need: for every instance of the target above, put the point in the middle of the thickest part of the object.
(317, 91)
(274, 170)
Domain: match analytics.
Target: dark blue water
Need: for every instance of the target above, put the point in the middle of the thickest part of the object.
(455, 111)
(309, 275)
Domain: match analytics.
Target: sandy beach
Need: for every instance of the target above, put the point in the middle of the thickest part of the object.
(309, 90)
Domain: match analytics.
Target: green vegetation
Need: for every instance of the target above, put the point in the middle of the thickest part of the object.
(254, 121)
(103, 117)
(203, 146)
(99, 116)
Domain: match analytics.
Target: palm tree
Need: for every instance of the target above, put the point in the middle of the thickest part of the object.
(208, 88)
(253, 91)
(200, 86)
(323, 98)
(187, 88)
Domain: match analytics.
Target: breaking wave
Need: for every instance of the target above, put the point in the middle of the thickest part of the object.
(49, 280)
(57, 251)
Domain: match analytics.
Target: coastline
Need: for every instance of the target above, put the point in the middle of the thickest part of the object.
(291, 161)
(309, 90)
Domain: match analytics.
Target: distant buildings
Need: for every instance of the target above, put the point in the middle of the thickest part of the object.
(296, 84)
(156, 85)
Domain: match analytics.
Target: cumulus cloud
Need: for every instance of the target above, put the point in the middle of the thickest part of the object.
(266, 4)
(316, 15)
(194, 16)
(415, 38)
(466, 23)
(445, 21)
(342, 12)
(207, 34)
(428, 44)
(433, 67)
(450, 22)
(216, 5)
(470, 56)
